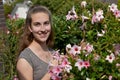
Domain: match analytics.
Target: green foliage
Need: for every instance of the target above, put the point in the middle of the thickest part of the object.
(66, 34)
(10, 48)
(118, 4)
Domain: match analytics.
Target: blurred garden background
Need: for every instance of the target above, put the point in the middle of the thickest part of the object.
(74, 23)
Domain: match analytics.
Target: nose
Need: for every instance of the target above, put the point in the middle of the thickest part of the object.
(42, 28)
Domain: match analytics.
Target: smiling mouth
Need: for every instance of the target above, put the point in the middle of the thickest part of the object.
(43, 32)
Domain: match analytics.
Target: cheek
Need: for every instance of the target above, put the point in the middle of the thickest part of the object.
(35, 29)
(48, 29)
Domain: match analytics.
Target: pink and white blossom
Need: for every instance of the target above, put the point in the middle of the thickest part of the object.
(97, 17)
(110, 57)
(75, 50)
(79, 64)
(65, 62)
(113, 7)
(89, 48)
(84, 18)
(110, 77)
(118, 64)
(94, 19)
(117, 13)
(72, 15)
(86, 64)
(68, 68)
(83, 4)
(56, 70)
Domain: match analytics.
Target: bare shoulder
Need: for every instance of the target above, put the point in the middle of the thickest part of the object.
(24, 69)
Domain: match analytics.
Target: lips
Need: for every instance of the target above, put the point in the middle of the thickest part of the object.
(43, 34)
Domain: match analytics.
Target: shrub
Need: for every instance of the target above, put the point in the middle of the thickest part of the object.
(94, 50)
(10, 48)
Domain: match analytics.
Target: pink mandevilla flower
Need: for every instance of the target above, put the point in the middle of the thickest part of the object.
(86, 64)
(113, 7)
(110, 57)
(75, 50)
(65, 62)
(68, 68)
(79, 64)
(71, 14)
(110, 77)
(117, 13)
(56, 70)
(66, 65)
(98, 16)
(94, 19)
(89, 48)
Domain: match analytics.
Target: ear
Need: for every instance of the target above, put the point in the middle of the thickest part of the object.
(30, 29)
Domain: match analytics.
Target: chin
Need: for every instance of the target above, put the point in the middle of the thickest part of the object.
(41, 40)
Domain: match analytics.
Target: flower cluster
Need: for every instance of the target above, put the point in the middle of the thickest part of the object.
(90, 60)
(64, 63)
(114, 10)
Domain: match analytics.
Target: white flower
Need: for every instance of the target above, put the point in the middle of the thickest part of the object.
(110, 57)
(99, 15)
(84, 18)
(101, 34)
(113, 7)
(89, 48)
(83, 4)
(68, 46)
(75, 49)
(68, 68)
(103, 31)
(87, 78)
(72, 15)
(110, 77)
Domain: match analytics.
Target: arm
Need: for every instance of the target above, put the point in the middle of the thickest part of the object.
(24, 69)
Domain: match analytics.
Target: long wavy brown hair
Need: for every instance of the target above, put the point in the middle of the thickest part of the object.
(27, 36)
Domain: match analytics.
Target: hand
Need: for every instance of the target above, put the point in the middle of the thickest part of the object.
(54, 62)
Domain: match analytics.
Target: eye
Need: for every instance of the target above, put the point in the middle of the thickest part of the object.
(47, 23)
(36, 24)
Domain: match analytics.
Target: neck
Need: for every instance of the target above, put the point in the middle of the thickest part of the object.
(38, 46)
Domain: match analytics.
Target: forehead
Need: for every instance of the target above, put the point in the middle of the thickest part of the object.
(40, 17)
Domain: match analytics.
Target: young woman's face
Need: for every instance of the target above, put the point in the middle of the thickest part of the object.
(40, 26)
